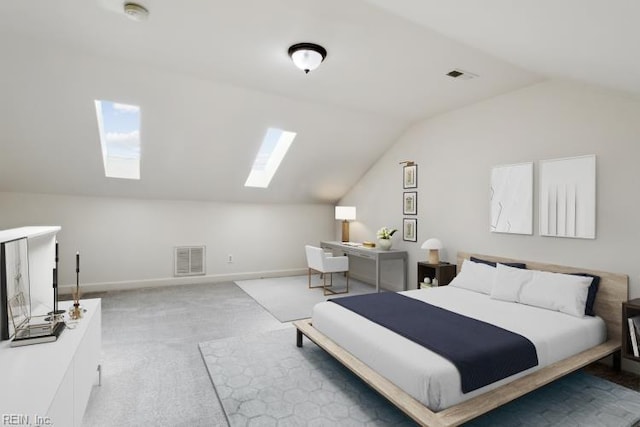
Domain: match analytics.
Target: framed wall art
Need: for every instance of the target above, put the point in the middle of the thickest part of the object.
(410, 230)
(511, 199)
(410, 175)
(568, 197)
(410, 203)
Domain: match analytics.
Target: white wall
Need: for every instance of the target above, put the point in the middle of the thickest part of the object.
(129, 242)
(456, 151)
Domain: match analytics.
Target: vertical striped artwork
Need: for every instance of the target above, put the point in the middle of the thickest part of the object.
(567, 198)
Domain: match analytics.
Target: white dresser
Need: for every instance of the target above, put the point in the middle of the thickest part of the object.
(49, 383)
(54, 379)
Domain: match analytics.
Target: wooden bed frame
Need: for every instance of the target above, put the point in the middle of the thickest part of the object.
(613, 291)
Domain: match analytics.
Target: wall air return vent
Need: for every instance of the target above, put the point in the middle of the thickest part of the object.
(189, 260)
(461, 75)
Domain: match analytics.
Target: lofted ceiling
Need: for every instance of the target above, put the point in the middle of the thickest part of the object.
(589, 40)
(211, 76)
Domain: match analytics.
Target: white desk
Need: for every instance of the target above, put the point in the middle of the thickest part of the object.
(374, 254)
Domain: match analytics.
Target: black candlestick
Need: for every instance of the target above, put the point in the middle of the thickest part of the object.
(55, 311)
(77, 298)
(55, 292)
(76, 311)
(55, 284)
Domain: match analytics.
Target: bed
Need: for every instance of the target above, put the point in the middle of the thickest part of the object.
(432, 396)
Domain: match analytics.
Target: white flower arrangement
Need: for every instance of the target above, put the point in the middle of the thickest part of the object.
(385, 233)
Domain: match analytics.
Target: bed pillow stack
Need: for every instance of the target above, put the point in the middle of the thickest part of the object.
(473, 276)
(566, 293)
(573, 294)
(593, 291)
(555, 291)
(493, 263)
(478, 275)
(509, 281)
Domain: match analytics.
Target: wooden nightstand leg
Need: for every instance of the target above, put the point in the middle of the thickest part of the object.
(617, 365)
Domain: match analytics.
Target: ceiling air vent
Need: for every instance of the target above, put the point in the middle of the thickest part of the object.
(189, 260)
(461, 75)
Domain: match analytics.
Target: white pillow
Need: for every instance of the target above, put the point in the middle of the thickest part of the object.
(509, 281)
(555, 291)
(474, 276)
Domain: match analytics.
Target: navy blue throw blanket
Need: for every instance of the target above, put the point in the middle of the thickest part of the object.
(482, 352)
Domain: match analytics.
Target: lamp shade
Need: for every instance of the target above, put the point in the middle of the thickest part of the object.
(432, 243)
(307, 56)
(347, 213)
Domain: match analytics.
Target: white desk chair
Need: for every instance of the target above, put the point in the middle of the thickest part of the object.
(323, 263)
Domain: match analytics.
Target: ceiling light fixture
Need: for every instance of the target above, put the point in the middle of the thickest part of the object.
(307, 56)
(136, 12)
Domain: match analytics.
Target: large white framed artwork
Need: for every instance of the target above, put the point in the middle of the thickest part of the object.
(512, 198)
(568, 197)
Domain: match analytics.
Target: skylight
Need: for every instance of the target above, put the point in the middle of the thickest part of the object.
(119, 126)
(273, 149)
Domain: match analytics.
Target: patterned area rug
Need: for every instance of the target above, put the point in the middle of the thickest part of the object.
(289, 298)
(264, 379)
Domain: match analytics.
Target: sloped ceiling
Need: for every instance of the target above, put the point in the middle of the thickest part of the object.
(211, 76)
(589, 40)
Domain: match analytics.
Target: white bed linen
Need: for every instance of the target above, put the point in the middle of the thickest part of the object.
(432, 379)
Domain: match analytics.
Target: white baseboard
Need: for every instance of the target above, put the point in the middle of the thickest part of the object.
(171, 281)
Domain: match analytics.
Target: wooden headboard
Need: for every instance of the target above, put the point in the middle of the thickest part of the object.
(613, 290)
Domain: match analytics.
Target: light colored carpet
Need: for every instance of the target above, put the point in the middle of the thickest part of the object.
(264, 379)
(152, 371)
(289, 298)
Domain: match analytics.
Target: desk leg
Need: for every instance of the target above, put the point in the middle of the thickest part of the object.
(405, 263)
(377, 274)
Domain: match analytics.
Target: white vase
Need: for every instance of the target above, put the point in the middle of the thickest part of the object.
(384, 244)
